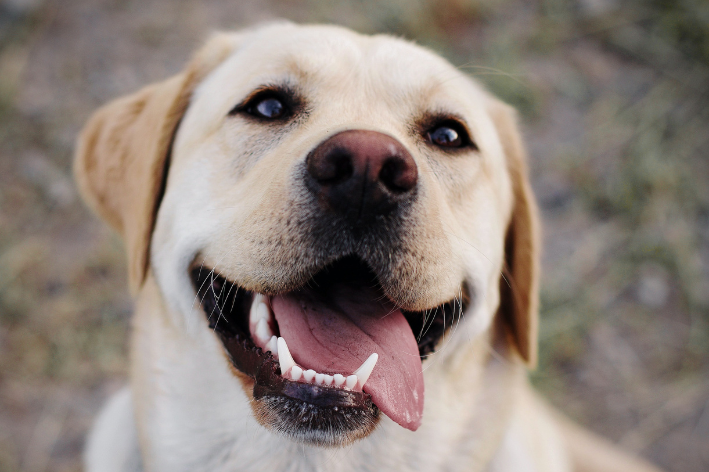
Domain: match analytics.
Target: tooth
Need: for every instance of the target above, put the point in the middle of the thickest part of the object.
(339, 380)
(262, 311)
(263, 332)
(319, 378)
(351, 381)
(296, 372)
(366, 368)
(308, 375)
(272, 345)
(257, 309)
(328, 380)
(284, 358)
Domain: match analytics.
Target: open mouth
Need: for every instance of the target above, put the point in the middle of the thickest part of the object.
(328, 357)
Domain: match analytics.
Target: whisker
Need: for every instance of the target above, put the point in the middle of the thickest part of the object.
(196, 295)
(220, 310)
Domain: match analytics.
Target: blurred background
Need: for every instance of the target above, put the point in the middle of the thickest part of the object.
(614, 98)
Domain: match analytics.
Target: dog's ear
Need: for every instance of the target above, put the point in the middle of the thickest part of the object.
(123, 152)
(519, 288)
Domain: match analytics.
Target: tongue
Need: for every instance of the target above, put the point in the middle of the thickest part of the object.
(336, 335)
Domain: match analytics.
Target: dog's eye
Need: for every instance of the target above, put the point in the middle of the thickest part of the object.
(449, 134)
(445, 136)
(269, 108)
(270, 104)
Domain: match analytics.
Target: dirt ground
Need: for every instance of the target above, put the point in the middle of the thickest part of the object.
(614, 99)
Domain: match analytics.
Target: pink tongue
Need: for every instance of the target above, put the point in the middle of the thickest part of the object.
(335, 337)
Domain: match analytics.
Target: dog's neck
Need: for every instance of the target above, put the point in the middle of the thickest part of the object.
(193, 414)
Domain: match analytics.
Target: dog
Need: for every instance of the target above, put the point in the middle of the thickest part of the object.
(333, 247)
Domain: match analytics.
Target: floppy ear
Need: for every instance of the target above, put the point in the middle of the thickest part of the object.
(519, 289)
(123, 153)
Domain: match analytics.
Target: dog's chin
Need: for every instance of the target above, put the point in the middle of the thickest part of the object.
(316, 415)
(314, 424)
(338, 405)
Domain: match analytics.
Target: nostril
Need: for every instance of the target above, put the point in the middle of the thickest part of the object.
(341, 165)
(398, 174)
(332, 167)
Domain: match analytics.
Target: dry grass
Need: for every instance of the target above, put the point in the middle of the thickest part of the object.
(614, 102)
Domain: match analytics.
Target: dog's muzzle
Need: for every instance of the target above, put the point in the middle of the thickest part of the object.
(329, 353)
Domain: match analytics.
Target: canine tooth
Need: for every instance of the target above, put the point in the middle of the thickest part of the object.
(263, 332)
(327, 380)
(257, 309)
(272, 345)
(308, 375)
(262, 311)
(284, 358)
(366, 368)
(296, 372)
(319, 378)
(339, 380)
(351, 381)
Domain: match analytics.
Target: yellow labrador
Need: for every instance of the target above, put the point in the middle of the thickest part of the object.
(317, 226)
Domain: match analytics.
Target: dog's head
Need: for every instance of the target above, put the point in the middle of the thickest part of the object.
(342, 206)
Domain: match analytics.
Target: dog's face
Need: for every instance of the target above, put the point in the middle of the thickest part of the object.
(341, 206)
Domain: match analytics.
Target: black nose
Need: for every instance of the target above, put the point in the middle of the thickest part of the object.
(360, 174)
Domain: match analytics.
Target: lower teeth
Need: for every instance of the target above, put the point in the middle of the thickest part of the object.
(259, 317)
(290, 369)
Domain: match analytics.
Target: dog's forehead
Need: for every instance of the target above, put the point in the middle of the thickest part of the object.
(319, 59)
(327, 51)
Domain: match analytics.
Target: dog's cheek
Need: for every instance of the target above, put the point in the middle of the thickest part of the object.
(184, 224)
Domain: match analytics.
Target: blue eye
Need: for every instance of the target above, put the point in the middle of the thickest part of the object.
(449, 134)
(269, 108)
(276, 103)
(445, 136)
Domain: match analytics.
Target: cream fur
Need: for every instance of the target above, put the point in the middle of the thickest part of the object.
(227, 191)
